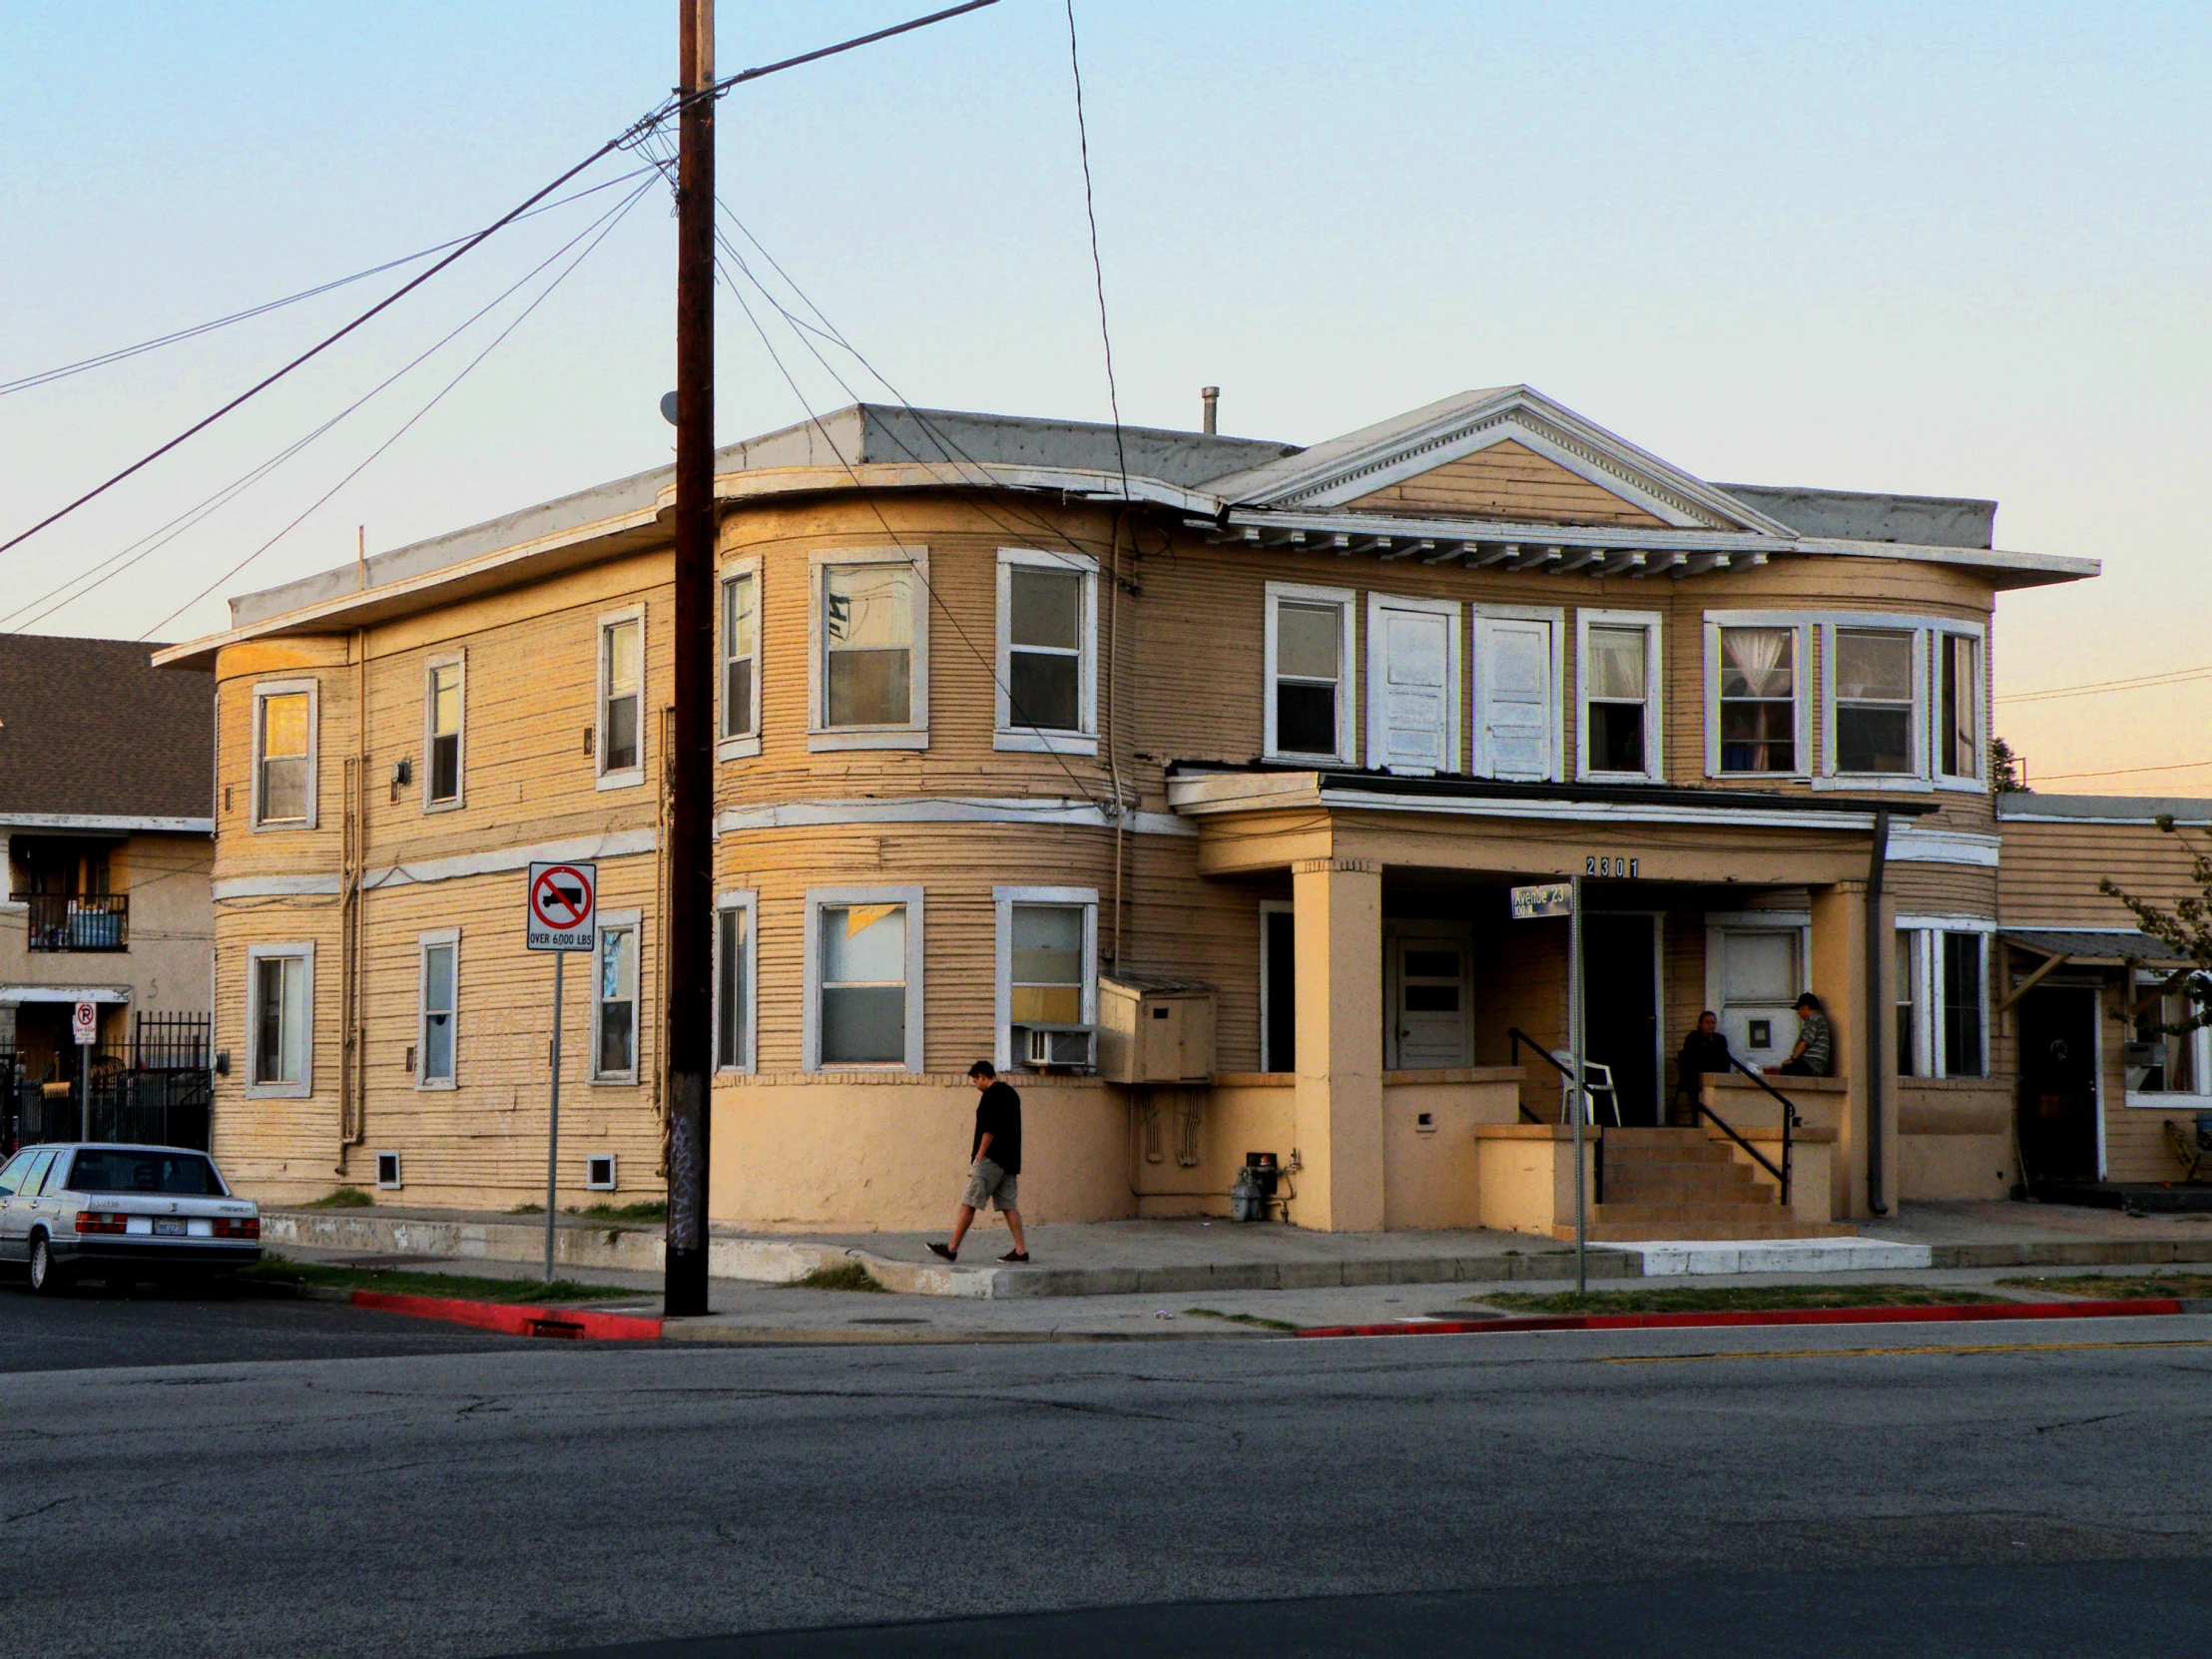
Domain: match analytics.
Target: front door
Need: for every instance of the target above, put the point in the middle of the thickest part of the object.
(1621, 1022)
(1513, 702)
(1413, 653)
(2058, 1083)
(1431, 1028)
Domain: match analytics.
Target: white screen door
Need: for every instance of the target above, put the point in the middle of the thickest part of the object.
(1410, 700)
(1429, 1000)
(1513, 696)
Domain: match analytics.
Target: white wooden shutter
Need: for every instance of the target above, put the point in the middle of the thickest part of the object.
(1515, 680)
(1409, 699)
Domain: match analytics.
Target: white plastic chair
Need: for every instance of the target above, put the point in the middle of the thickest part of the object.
(1597, 1079)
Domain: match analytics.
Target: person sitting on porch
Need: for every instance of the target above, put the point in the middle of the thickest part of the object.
(1814, 1053)
(1704, 1049)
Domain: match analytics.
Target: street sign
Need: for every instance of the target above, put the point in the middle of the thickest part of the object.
(563, 907)
(84, 1024)
(1553, 898)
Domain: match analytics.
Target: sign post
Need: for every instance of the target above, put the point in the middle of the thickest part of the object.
(561, 914)
(84, 1026)
(1564, 898)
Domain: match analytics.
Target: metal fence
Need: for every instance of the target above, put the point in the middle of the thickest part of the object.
(154, 1090)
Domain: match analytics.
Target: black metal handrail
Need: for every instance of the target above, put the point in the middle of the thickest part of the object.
(1597, 1142)
(78, 921)
(1789, 1119)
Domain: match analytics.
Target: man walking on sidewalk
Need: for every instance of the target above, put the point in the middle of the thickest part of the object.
(994, 1174)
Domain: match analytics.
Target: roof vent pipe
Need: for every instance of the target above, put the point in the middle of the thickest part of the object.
(1210, 396)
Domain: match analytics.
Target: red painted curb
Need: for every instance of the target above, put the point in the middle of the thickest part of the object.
(516, 1320)
(1781, 1316)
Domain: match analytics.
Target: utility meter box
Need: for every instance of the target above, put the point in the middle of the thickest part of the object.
(1154, 1029)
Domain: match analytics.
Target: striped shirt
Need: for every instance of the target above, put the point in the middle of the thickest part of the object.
(1820, 1043)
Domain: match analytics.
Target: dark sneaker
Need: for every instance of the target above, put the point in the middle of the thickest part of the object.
(1015, 1255)
(941, 1250)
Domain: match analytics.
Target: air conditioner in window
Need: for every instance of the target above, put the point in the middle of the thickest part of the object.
(1041, 1046)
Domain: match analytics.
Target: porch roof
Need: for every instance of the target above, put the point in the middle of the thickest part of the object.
(2094, 947)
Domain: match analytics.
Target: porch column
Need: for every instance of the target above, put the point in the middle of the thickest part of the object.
(1842, 953)
(1336, 929)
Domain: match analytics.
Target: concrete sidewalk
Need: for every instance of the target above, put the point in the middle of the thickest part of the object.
(1203, 1258)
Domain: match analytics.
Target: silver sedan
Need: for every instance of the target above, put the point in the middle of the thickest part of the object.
(120, 1214)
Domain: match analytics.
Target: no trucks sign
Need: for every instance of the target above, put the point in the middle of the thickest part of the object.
(563, 910)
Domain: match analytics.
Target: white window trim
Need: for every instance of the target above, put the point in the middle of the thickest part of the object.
(1928, 1046)
(609, 920)
(1980, 634)
(2198, 1099)
(262, 690)
(1377, 664)
(455, 660)
(1801, 657)
(1348, 674)
(741, 747)
(1268, 907)
(748, 900)
(1654, 661)
(821, 736)
(423, 944)
(254, 955)
(629, 776)
(1479, 757)
(811, 1009)
(1028, 738)
(1003, 900)
(1916, 719)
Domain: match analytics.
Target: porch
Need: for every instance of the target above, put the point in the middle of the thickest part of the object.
(1390, 957)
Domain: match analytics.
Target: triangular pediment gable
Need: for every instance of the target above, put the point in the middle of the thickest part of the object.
(1504, 453)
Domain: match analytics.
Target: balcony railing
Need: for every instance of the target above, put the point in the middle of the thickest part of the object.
(89, 922)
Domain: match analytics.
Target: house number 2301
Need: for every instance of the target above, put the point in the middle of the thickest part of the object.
(1617, 866)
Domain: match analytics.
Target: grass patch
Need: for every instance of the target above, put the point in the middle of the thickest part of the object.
(2095, 1287)
(656, 1210)
(1240, 1318)
(527, 1210)
(328, 1276)
(1732, 1297)
(345, 1198)
(846, 1276)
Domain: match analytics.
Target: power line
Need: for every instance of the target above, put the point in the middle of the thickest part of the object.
(135, 552)
(1098, 270)
(2122, 772)
(102, 359)
(2143, 682)
(720, 87)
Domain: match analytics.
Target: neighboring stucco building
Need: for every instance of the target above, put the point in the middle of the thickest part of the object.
(106, 776)
(1015, 752)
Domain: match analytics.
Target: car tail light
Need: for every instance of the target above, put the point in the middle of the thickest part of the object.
(101, 1221)
(238, 1227)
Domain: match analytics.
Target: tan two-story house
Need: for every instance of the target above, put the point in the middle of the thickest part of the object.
(1194, 792)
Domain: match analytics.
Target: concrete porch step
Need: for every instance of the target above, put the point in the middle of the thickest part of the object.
(1640, 1193)
(1713, 1175)
(1688, 1213)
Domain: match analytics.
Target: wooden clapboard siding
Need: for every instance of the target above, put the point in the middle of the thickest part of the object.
(1941, 889)
(2051, 871)
(1507, 480)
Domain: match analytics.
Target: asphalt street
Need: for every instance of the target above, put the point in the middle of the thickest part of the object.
(1928, 1489)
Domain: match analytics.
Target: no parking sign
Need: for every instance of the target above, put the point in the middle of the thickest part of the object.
(563, 909)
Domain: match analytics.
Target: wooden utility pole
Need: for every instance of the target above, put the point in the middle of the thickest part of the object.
(688, 1002)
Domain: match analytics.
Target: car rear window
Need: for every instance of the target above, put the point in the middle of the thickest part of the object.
(178, 1173)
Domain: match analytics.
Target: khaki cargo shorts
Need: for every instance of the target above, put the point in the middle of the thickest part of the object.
(988, 1184)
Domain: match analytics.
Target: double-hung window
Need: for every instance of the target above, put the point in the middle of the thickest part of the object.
(1941, 994)
(441, 734)
(1047, 975)
(285, 756)
(1872, 678)
(622, 699)
(1047, 631)
(864, 978)
(615, 999)
(1960, 745)
(1906, 997)
(439, 1010)
(735, 955)
(2169, 1054)
(1308, 656)
(1618, 656)
(280, 1019)
(740, 660)
(870, 633)
(1759, 681)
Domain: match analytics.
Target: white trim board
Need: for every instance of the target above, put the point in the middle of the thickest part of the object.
(14, 996)
(1016, 809)
(107, 821)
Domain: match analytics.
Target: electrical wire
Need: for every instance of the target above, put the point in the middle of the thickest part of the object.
(2143, 682)
(1098, 270)
(65, 370)
(135, 552)
(2124, 772)
(496, 341)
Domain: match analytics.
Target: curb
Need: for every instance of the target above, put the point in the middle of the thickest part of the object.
(1941, 1314)
(514, 1318)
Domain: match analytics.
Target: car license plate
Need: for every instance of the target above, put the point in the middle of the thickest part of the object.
(168, 1228)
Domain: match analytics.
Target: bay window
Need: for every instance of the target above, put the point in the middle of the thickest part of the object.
(1758, 695)
(1873, 680)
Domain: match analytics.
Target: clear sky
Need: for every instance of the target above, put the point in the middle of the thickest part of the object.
(1953, 249)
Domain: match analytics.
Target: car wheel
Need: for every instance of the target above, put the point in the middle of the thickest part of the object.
(46, 1274)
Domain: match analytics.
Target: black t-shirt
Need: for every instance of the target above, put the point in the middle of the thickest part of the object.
(998, 1115)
